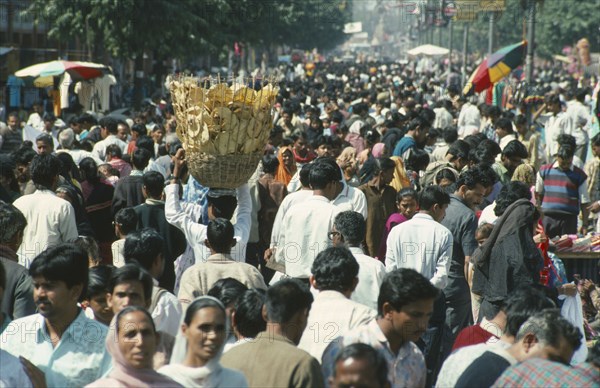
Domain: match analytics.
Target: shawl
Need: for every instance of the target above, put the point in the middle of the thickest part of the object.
(524, 173)
(378, 150)
(282, 174)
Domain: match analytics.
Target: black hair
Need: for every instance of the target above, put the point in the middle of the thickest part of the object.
(403, 286)
(552, 99)
(335, 269)
(140, 129)
(473, 177)
(417, 160)
(286, 298)
(450, 135)
(219, 233)
(198, 305)
(270, 164)
(110, 123)
(127, 219)
(87, 118)
(445, 173)
(145, 142)
(90, 247)
(89, 170)
(352, 226)
(509, 194)
(114, 150)
(521, 304)
(323, 140)
(595, 140)
(143, 246)
(472, 140)
(490, 146)
(223, 206)
(520, 120)
(140, 158)
(132, 309)
(304, 174)
(12, 221)
(98, 279)
(382, 164)
(505, 124)
(407, 192)
(565, 152)
(227, 290)
(45, 138)
(69, 169)
(2, 277)
(321, 174)
(44, 169)
(130, 273)
(23, 155)
(65, 262)
(154, 183)
(248, 313)
(432, 195)
(515, 149)
(564, 139)
(365, 352)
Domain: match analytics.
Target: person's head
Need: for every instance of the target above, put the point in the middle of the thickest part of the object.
(287, 157)
(405, 304)
(553, 104)
(145, 142)
(205, 329)
(383, 171)
(509, 194)
(471, 186)
(520, 305)
(335, 269)
(91, 248)
(304, 175)
(89, 170)
(300, 144)
(60, 279)
(418, 128)
(23, 158)
(158, 132)
(138, 130)
(458, 154)
(524, 173)
(45, 170)
(221, 203)
(129, 285)
(270, 164)
(113, 151)
(450, 135)
(136, 338)
(66, 138)
(220, 236)
(86, 121)
(564, 157)
(547, 335)
(247, 319)
(12, 225)
(325, 177)
(503, 127)
(417, 160)
(140, 159)
(145, 247)
(513, 155)
(44, 144)
(287, 305)
(228, 291)
(349, 229)
(49, 119)
(407, 202)
(359, 365)
(108, 126)
(122, 130)
(126, 221)
(596, 145)
(483, 232)
(434, 200)
(13, 120)
(323, 145)
(98, 279)
(153, 185)
(521, 124)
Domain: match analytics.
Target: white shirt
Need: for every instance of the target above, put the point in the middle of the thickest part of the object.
(487, 215)
(195, 233)
(99, 150)
(79, 155)
(556, 126)
(370, 276)
(351, 198)
(469, 120)
(13, 374)
(303, 235)
(443, 118)
(167, 313)
(422, 244)
(581, 119)
(153, 166)
(331, 315)
(458, 362)
(117, 248)
(79, 358)
(289, 200)
(505, 140)
(50, 221)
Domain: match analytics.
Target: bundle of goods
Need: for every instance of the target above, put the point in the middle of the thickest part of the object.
(223, 128)
(573, 243)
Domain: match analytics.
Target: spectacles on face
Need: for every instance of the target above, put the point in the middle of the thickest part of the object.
(331, 235)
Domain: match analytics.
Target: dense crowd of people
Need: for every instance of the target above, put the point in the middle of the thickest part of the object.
(395, 233)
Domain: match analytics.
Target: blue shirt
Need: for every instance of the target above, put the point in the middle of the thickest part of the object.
(78, 359)
(404, 145)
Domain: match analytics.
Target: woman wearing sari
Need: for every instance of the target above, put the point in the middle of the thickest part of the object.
(287, 166)
(198, 348)
(132, 343)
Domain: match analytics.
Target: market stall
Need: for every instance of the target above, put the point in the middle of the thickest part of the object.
(581, 256)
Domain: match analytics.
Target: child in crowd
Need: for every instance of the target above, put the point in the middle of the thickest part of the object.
(406, 201)
(94, 301)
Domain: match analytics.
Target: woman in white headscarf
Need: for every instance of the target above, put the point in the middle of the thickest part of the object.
(198, 348)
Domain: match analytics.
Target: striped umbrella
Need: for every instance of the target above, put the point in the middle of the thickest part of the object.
(495, 67)
(42, 74)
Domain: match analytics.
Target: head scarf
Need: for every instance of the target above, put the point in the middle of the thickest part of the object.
(524, 173)
(283, 174)
(378, 150)
(400, 180)
(205, 376)
(124, 374)
(347, 157)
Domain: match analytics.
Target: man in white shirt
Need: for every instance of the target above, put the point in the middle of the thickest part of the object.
(581, 120)
(332, 314)
(349, 231)
(221, 204)
(66, 138)
(557, 124)
(469, 118)
(50, 219)
(60, 340)
(305, 226)
(108, 131)
(145, 248)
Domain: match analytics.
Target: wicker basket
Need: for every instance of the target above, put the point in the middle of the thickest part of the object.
(223, 128)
